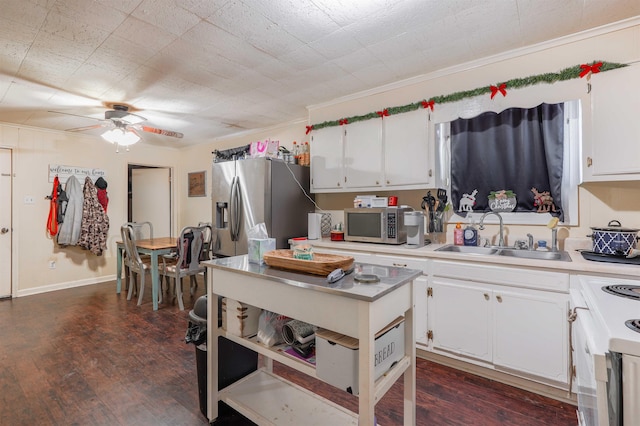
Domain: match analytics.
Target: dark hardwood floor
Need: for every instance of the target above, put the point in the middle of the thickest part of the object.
(87, 356)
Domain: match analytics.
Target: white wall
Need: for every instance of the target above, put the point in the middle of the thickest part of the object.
(33, 249)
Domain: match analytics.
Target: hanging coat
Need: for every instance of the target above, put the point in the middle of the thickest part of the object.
(103, 197)
(69, 231)
(95, 222)
(52, 220)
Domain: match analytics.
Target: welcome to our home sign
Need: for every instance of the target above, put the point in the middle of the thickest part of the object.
(64, 172)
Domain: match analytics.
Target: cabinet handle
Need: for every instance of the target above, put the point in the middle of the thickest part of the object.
(400, 265)
(589, 161)
(499, 299)
(377, 183)
(388, 182)
(486, 296)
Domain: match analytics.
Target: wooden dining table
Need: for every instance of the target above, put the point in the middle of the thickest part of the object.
(155, 247)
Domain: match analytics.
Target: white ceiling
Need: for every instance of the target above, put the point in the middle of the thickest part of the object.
(209, 68)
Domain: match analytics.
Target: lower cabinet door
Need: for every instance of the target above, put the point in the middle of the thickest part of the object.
(420, 285)
(460, 318)
(531, 333)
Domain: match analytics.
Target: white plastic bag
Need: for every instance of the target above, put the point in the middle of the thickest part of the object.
(270, 328)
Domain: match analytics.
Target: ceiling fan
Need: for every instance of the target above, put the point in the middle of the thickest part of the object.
(123, 126)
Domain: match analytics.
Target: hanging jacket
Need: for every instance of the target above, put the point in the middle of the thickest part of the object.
(69, 231)
(95, 222)
(103, 197)
(52, 220)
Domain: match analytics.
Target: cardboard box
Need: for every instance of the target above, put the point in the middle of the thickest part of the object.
(239, 318)
(337, 355)
(258, 247)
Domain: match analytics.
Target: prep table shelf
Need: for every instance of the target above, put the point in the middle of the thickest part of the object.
(267, 399)
(356, 310)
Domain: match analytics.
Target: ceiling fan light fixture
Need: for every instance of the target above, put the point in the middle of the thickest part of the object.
(120, 137)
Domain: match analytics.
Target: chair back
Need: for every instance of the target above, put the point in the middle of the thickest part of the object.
(129, 241)
(141, 230)
(194, 242)
(207, 236)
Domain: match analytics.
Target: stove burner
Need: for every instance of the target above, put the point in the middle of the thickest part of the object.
(630, 291)
(633, 324)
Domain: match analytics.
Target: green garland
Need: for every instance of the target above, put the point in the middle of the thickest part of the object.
(516, 83)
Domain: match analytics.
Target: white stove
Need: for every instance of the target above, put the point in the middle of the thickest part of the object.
(606, 349)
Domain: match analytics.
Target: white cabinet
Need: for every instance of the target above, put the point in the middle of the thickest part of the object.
(614, 152)
(506, 318)
(326, 159)
(530, 333)
(460, 318)
(377, 154)
(406, 150)
(363, 154)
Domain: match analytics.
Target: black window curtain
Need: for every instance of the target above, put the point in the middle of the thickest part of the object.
(517, 149)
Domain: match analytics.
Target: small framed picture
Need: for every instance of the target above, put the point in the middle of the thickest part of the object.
(197, 184)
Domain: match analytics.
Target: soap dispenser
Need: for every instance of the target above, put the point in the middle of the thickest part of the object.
(470, 235)
(458, 238)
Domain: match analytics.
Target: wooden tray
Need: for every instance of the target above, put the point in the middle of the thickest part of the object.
(322, 264)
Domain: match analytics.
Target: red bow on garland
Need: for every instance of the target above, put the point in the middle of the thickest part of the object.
(593, 69)
(343, 121)
(309, 129)
(383, 113)
(428, 104)
(502, 89)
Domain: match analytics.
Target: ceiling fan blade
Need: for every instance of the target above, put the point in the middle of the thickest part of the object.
(76, 115)
(79, 129)
(160, 131)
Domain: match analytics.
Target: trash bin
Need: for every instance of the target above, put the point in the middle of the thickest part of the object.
(234, 360)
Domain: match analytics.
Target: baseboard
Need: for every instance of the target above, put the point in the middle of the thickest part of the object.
(65, 285)
(498, 376)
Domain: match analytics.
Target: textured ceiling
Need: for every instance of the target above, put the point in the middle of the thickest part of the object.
(209, 68)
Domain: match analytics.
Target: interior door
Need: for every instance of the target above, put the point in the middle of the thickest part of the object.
(151, 198)
(5, 223)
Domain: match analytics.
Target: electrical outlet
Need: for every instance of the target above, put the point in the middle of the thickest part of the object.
(52, 264)
(29, 200)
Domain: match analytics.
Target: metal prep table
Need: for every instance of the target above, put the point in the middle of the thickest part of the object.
(348, 307)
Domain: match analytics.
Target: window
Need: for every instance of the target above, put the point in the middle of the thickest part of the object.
(513, 151)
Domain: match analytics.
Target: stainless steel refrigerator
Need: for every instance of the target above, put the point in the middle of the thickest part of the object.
(250, 191)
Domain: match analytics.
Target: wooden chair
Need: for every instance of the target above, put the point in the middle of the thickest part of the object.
(186, 262)
(142, 230)
(133, 262)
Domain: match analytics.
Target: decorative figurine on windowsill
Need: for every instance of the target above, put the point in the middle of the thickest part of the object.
(543, 200)
(502, 201)
(468, 201)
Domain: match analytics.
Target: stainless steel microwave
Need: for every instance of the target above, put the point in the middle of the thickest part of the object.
(376, 225)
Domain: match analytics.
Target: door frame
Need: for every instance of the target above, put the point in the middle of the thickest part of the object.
(9, 206)
(130, 167)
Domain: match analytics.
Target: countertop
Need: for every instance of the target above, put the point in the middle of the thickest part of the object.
(578, 263)
(390, 277)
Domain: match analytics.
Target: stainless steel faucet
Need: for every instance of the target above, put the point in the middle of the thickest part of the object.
(530, 243)
(554, 239)
(481, 226)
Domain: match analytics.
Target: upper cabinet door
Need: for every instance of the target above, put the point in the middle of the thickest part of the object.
(406, 150)
(327, 169)
(615, 137)
(363, 154)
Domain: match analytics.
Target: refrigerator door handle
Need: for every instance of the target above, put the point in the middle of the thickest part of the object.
(234, 209)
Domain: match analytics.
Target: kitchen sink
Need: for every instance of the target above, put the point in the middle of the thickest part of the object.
(508, 252)
(469, 249)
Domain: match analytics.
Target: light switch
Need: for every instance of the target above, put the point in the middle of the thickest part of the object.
(29, 200)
